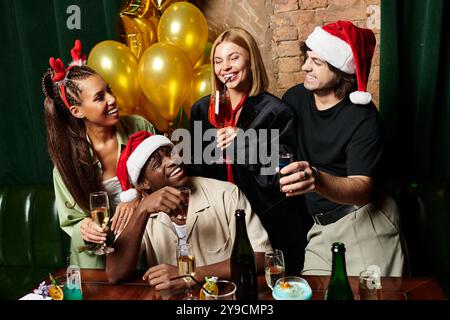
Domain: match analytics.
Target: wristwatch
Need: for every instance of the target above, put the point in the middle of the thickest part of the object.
(316, 175)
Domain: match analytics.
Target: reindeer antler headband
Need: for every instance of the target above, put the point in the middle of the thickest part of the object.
(60, 77)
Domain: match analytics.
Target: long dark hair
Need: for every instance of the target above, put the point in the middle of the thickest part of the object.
(69, 149)
(346, 83)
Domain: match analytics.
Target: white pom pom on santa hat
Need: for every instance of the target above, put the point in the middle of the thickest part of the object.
(139, 148)
(348, 48)
(129, 195)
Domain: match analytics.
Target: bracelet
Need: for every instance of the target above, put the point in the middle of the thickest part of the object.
(316, 175)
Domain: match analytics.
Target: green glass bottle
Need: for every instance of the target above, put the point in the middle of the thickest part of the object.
(242, 262)
(338, 287)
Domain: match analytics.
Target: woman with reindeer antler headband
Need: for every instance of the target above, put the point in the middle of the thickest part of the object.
(85, 135)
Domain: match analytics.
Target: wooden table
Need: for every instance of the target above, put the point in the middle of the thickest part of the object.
(96, 287)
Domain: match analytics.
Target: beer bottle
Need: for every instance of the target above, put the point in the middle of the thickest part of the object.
(338, 287)
(242, 262)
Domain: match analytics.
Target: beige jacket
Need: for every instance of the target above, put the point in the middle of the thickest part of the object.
(210, 226)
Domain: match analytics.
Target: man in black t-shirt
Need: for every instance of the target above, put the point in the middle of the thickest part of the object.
(339, 140)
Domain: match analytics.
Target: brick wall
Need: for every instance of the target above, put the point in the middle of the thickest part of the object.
(279, 25)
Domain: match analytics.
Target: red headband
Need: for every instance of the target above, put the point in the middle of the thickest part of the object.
(61, 72)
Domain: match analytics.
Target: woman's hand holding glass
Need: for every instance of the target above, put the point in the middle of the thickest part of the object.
(225, 137)
(91, 232)
(99, 206)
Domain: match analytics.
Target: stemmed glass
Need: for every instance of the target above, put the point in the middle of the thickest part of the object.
(220, 113)
(99, 206)
(273, 266)
(186, 266)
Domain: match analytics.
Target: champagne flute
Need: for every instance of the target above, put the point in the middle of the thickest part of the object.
(186, 266)
(273, 266)
(99, 206)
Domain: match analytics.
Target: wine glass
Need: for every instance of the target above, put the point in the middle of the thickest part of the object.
(99, 206)
(185, 194)
(219, 113)
(186, 266)
(273, 266)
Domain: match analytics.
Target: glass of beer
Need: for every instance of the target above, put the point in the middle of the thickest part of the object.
(99, 207)
(273, 266)
(186, 266)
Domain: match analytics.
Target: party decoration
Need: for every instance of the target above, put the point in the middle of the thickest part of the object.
(137, 33)
(205, 57)
(118, 66)
(184, 25)
(200, 86)
(161, 5)
(149, 112)
(138, 8)
(165, 75)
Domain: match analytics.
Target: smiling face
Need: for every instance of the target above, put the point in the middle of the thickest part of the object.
(232, 62)
(319, 77)
(162, 169)
(97, 103)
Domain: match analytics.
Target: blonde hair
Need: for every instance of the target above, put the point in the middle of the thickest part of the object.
(259, 81)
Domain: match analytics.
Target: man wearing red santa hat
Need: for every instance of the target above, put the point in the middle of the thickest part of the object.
(340, 144)
(155, 229)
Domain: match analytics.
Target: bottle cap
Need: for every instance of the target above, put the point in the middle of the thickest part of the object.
(338, 247)
(239, 213)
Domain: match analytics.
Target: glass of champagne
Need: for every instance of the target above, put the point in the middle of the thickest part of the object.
(185, 194)
(186, 266)
(99, 206)
(273, 266)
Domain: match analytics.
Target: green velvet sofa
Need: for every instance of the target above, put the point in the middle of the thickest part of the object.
(31, 242)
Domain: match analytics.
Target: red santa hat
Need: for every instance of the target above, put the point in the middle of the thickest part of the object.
(139, 148)
(349, 49)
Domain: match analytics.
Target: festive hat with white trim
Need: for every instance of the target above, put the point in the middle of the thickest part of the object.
(139, 148)
(349, 49)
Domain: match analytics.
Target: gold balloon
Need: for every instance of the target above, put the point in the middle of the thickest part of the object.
(139, 8)
(149, 112)
(137, 33)
(155, 21)
(200, 86)
(118, 66)
(205, 57)
(165, 75)
(185, 25)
